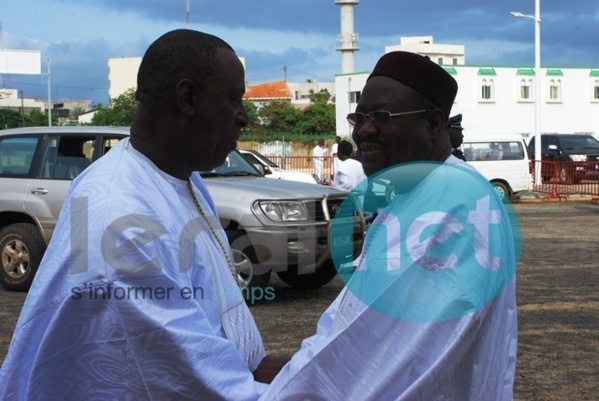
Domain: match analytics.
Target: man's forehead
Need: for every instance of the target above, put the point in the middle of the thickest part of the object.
(385, 91)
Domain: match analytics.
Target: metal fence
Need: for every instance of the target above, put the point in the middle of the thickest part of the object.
(308, 164)
(560, 179)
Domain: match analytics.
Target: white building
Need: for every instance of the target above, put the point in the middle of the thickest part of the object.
(440, 54)
(300, 92)
(9, 99)
(496, 100)
(122, 75)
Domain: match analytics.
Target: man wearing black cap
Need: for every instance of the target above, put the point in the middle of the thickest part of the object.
(454, 128)
(430, 312)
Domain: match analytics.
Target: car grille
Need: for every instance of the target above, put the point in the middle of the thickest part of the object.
(333, 206)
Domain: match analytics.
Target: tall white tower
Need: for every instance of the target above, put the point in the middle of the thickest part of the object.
(347, 40)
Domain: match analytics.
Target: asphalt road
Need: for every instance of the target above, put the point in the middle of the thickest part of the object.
(558, 305)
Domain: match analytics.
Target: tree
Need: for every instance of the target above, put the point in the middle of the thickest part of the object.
(76, 112)
(37, 118)
(252, 111)
(121, 111)
(279, 116)
(319, 117)
(10, 119)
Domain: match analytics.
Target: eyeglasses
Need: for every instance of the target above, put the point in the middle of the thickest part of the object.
(380, 117)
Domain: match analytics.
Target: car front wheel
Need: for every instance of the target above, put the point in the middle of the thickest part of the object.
(249, 273)
(22, 248)
(501, 189)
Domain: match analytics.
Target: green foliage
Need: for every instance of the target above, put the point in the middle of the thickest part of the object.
(77, 111)
(35, 118)
(120, 113)
(39, 119)
(252, 112)
(279, 116)
(10, 119)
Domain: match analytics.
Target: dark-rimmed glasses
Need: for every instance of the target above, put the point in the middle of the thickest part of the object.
(380, 117)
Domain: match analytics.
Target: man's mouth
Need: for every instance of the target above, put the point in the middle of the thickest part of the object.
(370, 147)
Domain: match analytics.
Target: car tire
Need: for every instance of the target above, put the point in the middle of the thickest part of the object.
(246, 261)
(502, 190)
(21, 250)
(322, 276)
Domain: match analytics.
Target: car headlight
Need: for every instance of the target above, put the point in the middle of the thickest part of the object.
(579, 158)
(284, 210)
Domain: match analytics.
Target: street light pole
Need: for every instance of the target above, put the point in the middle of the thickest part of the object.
(49, 97)
(537, 128)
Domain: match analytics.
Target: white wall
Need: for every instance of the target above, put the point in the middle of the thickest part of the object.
(576, 111)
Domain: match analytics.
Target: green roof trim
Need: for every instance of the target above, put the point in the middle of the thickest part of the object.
(525, 71)
(486, 71)
(555, 72)
(595, 73)
(450, 70)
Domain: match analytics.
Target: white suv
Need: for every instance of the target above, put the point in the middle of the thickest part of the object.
(38, 164)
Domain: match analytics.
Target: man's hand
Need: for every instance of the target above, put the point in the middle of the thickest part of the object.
(268, 368)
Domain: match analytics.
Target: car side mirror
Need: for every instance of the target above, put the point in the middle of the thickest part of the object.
(267, 170)
(260, 168)
(552, 147)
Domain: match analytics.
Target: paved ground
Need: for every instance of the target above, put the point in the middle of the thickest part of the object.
(558, 304)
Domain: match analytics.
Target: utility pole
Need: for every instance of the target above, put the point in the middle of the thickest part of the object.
(285, 72)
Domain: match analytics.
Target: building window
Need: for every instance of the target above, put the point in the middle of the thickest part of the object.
(596, 90)
(525, 86)
(354, 96)
(440, 60)
(554, 89)
(455, 61)
(486, 89)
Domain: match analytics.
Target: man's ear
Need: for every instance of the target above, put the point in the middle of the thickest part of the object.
(437, 123)
(185, 96)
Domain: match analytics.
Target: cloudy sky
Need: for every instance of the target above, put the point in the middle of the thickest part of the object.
(79, 36)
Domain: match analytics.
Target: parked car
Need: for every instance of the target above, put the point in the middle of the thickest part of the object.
(272, 170)
(502, 159)
(273, 225)
(570, 158)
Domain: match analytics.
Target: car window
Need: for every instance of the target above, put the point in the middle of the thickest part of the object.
(579, 142)
(17, 155)
(504, 150)
(67, 156)
(107, 143)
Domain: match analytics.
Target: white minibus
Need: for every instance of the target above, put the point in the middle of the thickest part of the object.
(502, 159)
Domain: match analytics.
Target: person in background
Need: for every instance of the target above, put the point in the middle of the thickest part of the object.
(335, 157)
(456, 137)
(318, 158)
(430, 311)
(136, 297)
(349, 173)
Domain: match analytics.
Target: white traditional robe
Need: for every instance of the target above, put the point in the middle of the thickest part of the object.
(349, 174)
(318, 159)
(134, 299)
(421, 318)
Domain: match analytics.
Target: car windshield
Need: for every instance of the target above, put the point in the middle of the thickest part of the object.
(234, 166)
(266, 159)
(579, 142)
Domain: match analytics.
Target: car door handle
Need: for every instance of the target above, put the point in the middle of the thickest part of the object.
(39, 191)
